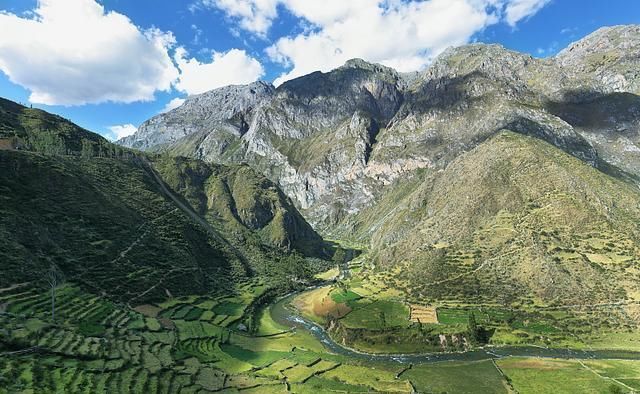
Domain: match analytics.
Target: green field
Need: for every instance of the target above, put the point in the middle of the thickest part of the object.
(101, 347)
(377, 314)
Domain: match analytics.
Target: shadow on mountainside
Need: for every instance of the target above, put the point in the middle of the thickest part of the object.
(593, 110)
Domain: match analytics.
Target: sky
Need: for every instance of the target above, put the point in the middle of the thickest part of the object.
(109, 65)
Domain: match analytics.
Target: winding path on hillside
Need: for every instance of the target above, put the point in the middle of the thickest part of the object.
(191, 214)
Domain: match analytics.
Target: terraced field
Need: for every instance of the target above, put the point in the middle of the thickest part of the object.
(199, 344)
(186, 344)
(371, 311)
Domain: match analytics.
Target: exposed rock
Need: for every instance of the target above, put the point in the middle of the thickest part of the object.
(609, 55)
(335, 142)
(221, 111)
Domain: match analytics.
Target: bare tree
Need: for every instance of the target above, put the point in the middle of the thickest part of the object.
(54, 278)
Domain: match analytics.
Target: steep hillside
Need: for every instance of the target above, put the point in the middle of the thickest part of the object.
(242, 201)
(105, 224)
(419, 167)
(223, 113)
(37, 130)
(335, 141)
(114, 221)
(515, 220)
(609, 55)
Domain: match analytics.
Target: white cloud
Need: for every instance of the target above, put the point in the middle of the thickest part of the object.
(254, 15)
(226, 68)
(121, 131)
(71, 52)
(173, 104)
(517, 10)
(404, 34)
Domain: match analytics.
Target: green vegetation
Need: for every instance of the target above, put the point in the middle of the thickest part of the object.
(500, 214)
(558, 376)
(243, 202)
(171, 264)
(108, 221)
(377, 314)
(130, 354)
(479, 377)
(345, 296)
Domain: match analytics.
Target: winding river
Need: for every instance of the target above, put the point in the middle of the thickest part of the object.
(285, 314)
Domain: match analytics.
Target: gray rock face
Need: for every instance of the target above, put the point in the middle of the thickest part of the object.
(609, 55)
(224, 110)
(335, 142)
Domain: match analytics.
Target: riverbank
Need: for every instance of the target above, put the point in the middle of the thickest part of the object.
(285, 314)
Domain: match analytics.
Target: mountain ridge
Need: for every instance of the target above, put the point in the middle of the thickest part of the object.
(333, 141)
(123, 224)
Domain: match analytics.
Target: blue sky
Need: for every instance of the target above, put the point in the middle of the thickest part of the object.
(109, 65)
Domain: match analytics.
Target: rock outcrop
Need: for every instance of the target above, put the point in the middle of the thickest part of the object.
(335, 141)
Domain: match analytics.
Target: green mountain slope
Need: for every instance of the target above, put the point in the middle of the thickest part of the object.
(38, 130)
(247, 203)
(104, 216)
(515, 220)
(105, 224)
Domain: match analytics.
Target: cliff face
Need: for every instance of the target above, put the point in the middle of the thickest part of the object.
(335, 141)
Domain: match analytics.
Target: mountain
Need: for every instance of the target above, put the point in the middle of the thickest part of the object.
(425, 167)
(515, 219)
(335, 141)
(134, 226)
(609, 55)
(33, 129)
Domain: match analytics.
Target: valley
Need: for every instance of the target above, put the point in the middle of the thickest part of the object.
(473, 227)
(229, 343)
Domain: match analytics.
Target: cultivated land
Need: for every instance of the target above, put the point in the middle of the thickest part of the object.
(198, 344)
(485, 211)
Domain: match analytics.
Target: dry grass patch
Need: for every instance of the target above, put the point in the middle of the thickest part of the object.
(537, 363)
(423, 314)
(331, 274)
(148, 310)
(319, 305)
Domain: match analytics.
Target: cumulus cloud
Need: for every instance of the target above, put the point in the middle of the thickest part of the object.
(402, 34)
(517, 10)
(405, 36)
(253, 15)
(226, 68)
(121, 131)
(173, 104)
(72, 52)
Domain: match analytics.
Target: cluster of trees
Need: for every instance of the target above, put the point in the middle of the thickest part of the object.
(478, 335)
(252, 312)
(51, 143)
(92, 149)
(48, 143)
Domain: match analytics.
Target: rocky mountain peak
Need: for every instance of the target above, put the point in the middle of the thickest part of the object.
(227, 108)
(491, 60)
(228, 102)
(365, 65)
(622, 37)
(610, 55)
(334, 141)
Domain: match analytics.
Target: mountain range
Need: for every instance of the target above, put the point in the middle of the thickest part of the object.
(515, 174)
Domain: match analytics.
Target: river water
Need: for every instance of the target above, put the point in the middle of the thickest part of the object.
(283, 313)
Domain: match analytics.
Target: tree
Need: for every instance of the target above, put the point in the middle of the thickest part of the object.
(473, 329)
(54, 278)
(47, 142)
(87, 149)
(339, 256)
